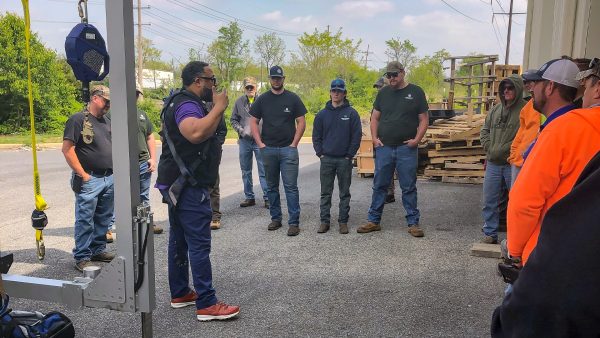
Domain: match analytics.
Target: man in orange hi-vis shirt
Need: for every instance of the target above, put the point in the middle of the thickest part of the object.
(529, 126)
(567, 142)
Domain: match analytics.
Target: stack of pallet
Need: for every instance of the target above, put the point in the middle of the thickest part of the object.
(454, 151)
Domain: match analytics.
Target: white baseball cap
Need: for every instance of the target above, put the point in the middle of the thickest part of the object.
(561, 71)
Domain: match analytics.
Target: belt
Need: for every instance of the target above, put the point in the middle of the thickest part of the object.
(100, 172)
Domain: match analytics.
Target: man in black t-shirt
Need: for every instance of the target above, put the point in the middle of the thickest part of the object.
(87, 147)
(282, 114)
(398, 123)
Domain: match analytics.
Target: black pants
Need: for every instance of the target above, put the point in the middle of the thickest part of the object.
(330, 168)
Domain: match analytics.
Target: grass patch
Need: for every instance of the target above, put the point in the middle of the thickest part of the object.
(25, 139)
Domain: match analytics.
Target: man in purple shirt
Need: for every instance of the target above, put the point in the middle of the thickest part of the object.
(190, 161)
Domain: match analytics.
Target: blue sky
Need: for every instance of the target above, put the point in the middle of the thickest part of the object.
(431, 25)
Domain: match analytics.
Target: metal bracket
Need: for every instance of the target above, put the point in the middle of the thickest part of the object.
(109, 286)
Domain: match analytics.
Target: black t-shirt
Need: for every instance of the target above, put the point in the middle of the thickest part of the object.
(278, 114)
(96, 156)
(400, 109)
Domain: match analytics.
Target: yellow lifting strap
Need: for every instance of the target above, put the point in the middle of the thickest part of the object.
(40, 204)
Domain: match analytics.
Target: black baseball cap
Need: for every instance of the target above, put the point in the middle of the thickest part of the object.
(276, 71)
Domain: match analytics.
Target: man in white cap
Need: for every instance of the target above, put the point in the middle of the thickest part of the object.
(567, 141)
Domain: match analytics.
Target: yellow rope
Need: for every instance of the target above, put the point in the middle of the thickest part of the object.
(40, 204)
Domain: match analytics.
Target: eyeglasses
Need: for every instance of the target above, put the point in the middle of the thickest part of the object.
(391, 74)
(509, 88)
(213, 79)
(249, 87)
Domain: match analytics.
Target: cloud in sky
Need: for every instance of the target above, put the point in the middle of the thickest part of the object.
(293, 24)
(363, 8)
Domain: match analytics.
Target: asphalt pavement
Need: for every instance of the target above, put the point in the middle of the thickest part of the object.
(382, 284)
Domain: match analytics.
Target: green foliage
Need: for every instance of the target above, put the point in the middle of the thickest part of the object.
(228, 52)
(152, 107)
(54, 94)
(403, 51)
(271, 49)
(428, 73)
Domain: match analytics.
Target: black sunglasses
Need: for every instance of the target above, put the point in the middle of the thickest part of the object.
(249, 87)
(391, 74)
(213, 79)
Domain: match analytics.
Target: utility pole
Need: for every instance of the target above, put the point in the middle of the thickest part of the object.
(510, 14)
(140, 65)
(367, 57)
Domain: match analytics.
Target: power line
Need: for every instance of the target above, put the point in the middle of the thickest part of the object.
(177, 34)
(172, 39)
(461, 13)
(248, 22)
(216, 17)
(180, 19)
(168, 22)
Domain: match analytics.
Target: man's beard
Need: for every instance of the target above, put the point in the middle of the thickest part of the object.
(540, 102)
(277, 87)
(206, 95)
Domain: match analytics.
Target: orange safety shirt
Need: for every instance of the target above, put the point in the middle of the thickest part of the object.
(561, 152)
(529, 126)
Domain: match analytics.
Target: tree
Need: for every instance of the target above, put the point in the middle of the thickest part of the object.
(326, 55)
(428, 73)
(54, 97)
(229, 51)
(403, 51)
(271, 49)
(151, 57)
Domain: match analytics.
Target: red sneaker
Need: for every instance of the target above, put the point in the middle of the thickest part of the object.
(187, 300)
(218, 311)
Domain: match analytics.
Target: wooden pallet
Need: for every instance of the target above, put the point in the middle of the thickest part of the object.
(459, 128)
(469, 143)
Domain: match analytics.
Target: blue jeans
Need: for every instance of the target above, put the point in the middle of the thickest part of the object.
(189, 245)
(404, 160)
(514, 172)
(282, 160)
(94, 207)
(145, 176)
(495, 177)
(247, 148)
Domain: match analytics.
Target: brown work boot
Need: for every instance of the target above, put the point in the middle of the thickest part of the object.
(215, 224)
(489, 240)
(415, 231)
(323, 228)
(370, 226)
(293, 230)
(157, 230)
(247, 203)
(83, 264)
(274, 225)
(103, 257)
(109, 236)
(343, 228)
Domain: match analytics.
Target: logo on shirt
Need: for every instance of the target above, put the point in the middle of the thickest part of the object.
(142, 118)
(409, 96)
(345, 118)
(286, 110)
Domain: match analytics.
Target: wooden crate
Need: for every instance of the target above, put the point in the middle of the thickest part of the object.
(366, 146)
(365, 164)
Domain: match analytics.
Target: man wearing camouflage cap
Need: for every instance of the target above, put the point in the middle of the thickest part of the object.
(87, 148)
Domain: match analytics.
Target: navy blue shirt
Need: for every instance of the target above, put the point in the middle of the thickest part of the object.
(337, 131)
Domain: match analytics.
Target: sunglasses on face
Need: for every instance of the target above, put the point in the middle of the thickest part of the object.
(249, 87)
(337, 91)
(392, 74)
(509, 88)
(213, 79)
